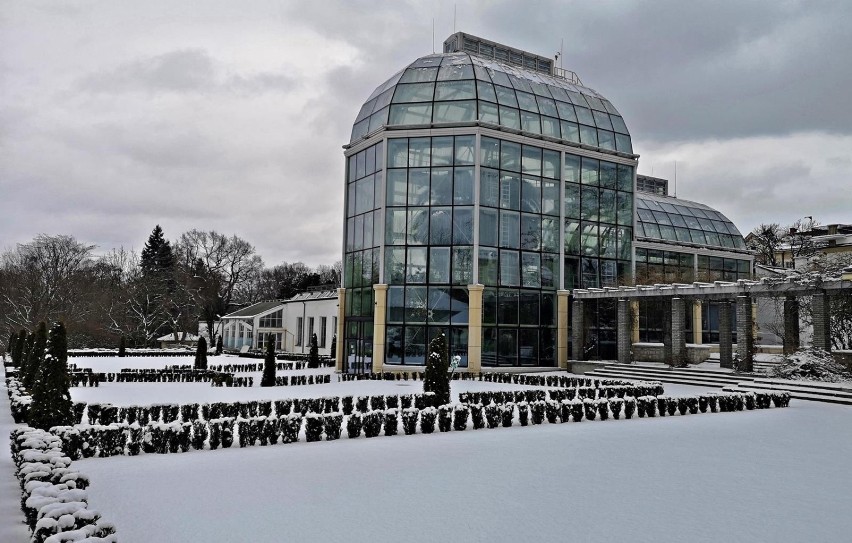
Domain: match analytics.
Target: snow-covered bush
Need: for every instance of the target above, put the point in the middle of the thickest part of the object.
(629, 407)
(616, 405)
(199, 434)
(692, 405)
(427, 420)
(362, 404)
(650, 406)
(377, 403)
(477, 416)
(290, 427)
(603, 408)
(354, 424)
(523, 413)
(681, 405)
(537, 412)
(811, 365)
(551, 411)
(590, 409)
(445, 417)
(372, 423)
(409, 420)
(460, 415)
(313, 427)
(392, 401)
(332, 423)
(391, 422)
(662, 405)
(507, 414)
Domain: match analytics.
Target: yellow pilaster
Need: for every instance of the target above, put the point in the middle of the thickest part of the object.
(562, 328)
(379, 320)
(340, 355)
(474, 328)
(634, 321)
(696, 322)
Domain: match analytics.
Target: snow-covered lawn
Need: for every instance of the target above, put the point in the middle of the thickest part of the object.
(770, 475)
(115, 363)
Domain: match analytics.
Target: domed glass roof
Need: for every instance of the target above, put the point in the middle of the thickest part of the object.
(458, 88)
(681, 221)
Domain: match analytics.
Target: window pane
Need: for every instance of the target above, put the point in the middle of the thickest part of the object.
(418, 226)
(550, 234)
(440, 227)
(463, 186)
(590, 203)
(398, 153)
(442, 151)
(405, 114)
(488, 266)
(462, 265)
(463, 225)
(531, 160)
(549, 271)
(486, 91)
(510, 117)
(530, 232)
(439, 305)
(531, 195)
(530, 271)
(530, 122)
(488, 113)
(510, 156)
(415, 345)
(488, 227)
(455, 90)
(509, 229)
(570, 131)
(395, 226)
(419, 152)
(507, 306)
(441, 190)
(415, 269)
(572, 200)
(572, 237)
(590, 239)
(413, 92)
(394, 265)
(510, 192)
(464, 150)
(439, 265)
(418, 186)
(490, 149)
(489, 187)
(529, 307)
(550, 197)
(455, 112)
(607, 206)
(509, 269)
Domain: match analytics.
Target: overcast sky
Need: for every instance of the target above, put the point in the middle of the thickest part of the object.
(119, 115)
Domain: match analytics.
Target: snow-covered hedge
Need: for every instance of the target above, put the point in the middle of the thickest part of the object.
(54, 497)
(19, 399)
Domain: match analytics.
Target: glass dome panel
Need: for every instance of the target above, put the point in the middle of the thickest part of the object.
(669, 219)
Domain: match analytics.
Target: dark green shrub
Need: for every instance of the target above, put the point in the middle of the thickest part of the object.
(427, 420)
(682, 405)
(477, 416)
(409, 420)
(537, 412)
(354, 424)
(199, 434)
(603, 408)
(332, 423)
(391, 422)
(290, 427)
(507, 414)
(551, 411)
(460, 415)
(445, 417)
(629, 407)
(616, 405)
(313, 427)
(372, 423)
(524, 413)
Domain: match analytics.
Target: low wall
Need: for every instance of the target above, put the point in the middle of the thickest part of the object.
(654, 352)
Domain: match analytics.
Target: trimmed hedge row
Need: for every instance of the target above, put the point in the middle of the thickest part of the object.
(53, 494)
(106, 414)
(130, 353)
(19, 399)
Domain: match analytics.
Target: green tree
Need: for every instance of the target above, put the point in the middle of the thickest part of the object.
(268, 379)
(157, 254)
(19, 348)
(52, 404)
(436, 378)
(13, 338)
(201, 354)
(313, 356)
(35, 360)
(122, 346)
(219, 346)
(333, 348)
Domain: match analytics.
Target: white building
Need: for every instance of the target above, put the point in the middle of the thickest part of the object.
(290, 322)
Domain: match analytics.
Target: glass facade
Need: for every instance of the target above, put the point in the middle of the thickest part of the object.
(684, 222)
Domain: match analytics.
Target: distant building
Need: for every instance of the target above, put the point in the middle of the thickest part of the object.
(831, 241)
(289, 323)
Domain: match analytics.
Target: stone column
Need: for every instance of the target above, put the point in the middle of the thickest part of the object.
(634, 321)
(667, 330)
(678, 319)
(791, 325)
(623, 332)
(474, 328)
(696, 322)
(340, 355)
(379, 320)
(822, 326)
(745, 334)
(562, 301)
(578, 328)
(726, 341)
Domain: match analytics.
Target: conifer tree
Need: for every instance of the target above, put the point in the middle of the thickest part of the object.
(19, 348)
(11, 345)
(35, 360)
(313, 357)
(26, 352)
(122, 346)
(219, 347)
(52, 404)
(436, 378)
(268, 379)
(333, 348)
(201, 354)
(157, 254)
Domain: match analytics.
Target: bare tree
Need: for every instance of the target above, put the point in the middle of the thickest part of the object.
(766, 240)
(799, 239)
(215, 267)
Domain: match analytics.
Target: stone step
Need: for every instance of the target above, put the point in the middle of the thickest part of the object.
(818, 385)
(661, 372)
(797, 394)
(798, 387)
(694, 381)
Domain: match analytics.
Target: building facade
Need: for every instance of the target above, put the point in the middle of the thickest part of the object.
(482, 185)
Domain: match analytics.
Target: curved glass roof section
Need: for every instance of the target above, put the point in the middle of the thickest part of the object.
(458, 88)
(681, 221)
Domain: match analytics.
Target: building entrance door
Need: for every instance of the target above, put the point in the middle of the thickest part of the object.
(359, 345)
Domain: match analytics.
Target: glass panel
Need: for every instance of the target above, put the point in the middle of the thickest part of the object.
(490, 152)
(396, 304)
(488, 113)
(527, 102)
(623, 144)
(418, 186)
(510, 191)
(506, 97)
(530, 272)
(590, 239)
(572, 200)
(419, 75)
(439, 265)
(489, 187)
(607, 206)
(588, 135)
(507, 306)
(530, 232)
(455, 71)
(510, 118)
(566, 111)
(572, 237)
(509, 229)
(550, 126)
(510, 156)
(455, 90)
(488, 266)
(590, 203)
(625, 178)
(549, 270)
(462, 265)
(415, 269)
(530, 122)
(419, 152)
(394, 265)
(550, 164)
(442, 151)
(529, 308)
(608, 239)
(441, 190)
(488, 227)
(584, 115)
(486, 91)
(570, 131)
(590, 171)
(464, 150)
(455, 112)
(550, 234)
(395, 226)
(531, 195)
(463, 225)
(418, 226)
(440, 227)
(439, 305)
(546, 106)
(550, 197)
(509, 268)
(625, 208)
(398, 153)
(463, 192)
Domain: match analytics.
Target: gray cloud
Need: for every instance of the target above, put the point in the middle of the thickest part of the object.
(118, 116)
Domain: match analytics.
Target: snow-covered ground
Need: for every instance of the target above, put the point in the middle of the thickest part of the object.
(772, 475)
(115, 363)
